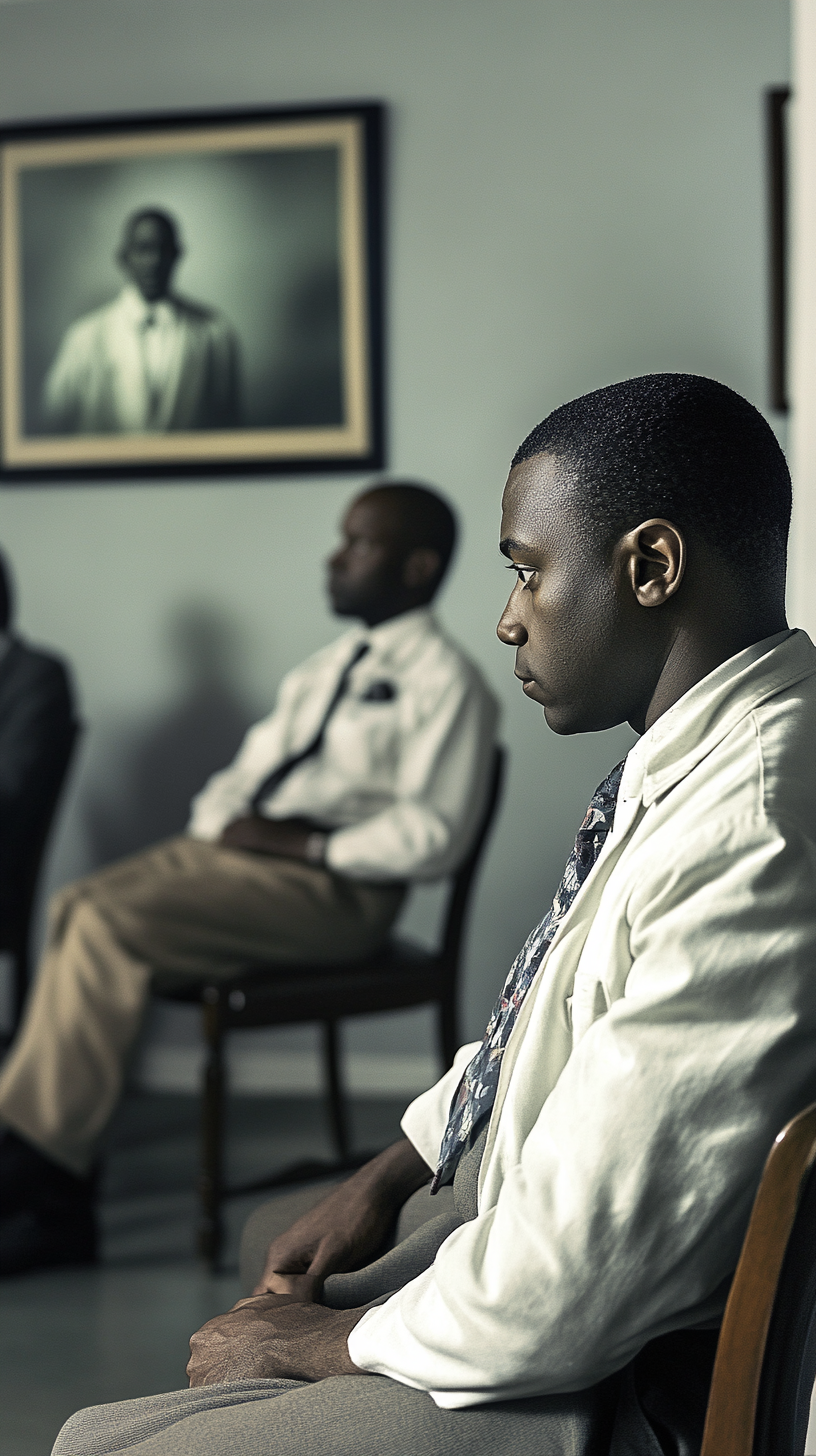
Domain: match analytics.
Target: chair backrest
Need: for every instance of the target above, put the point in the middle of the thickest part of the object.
(766, 1356)
(462, 881)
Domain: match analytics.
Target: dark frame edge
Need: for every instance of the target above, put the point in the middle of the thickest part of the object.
(776, 141)
(374, 114)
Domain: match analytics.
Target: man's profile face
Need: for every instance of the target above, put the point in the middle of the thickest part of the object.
(365, 571)
(149, 256)
(569, 617)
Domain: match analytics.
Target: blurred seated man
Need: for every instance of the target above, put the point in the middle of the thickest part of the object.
(149, 360)
(606, 1139)
(36, 729)
(371, 772)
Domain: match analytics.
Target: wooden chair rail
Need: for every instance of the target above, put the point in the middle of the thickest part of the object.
(732, 1407)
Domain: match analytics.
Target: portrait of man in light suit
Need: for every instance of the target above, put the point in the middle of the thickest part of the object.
(149, 361)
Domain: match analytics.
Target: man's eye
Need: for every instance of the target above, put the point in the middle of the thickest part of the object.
(524, 573)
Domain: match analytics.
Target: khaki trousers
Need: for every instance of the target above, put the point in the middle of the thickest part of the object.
(184, 906)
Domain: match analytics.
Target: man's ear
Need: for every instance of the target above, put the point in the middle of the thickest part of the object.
(421, 567)
(654, 561)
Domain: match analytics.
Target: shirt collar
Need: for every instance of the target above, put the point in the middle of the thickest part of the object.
(693, 727)
(398, 631)
(395, 637)
(136, 308)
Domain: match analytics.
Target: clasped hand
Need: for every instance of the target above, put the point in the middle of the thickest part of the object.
(254, 833)
(274, 1336)
(281, 1332)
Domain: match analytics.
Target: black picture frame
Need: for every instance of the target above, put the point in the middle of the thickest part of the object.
(776, 141)
(270, 359)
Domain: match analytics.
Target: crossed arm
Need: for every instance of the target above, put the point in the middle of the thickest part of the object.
(281, 1331)
(254, 833)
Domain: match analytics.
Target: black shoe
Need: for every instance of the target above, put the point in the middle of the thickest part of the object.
(30, 1180)
(42, 1238)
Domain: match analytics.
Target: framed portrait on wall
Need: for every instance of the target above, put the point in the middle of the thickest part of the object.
(192, 294)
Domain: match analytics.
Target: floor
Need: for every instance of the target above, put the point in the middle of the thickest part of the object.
(80, 1337)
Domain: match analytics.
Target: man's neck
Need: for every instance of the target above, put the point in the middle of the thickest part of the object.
(692, 657)
(377, 618)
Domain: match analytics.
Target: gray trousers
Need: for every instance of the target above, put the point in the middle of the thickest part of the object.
(372, 1415)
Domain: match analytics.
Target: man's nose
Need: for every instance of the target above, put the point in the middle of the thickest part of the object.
(510, 630)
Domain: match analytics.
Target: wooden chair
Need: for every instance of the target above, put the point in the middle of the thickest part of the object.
(401, 975)
(15, 933)
(766, 1356)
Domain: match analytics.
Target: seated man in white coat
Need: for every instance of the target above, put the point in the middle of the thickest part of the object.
(605, 1140)
(371, 772)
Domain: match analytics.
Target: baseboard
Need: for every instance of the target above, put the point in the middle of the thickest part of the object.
(258, 1072)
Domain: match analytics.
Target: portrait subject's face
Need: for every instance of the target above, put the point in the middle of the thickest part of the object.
(567, 616)
(148, 256)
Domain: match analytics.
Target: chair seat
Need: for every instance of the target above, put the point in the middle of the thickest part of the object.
(401, 974)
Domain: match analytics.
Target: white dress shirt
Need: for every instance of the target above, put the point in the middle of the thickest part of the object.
(667, 1039)
(401, 779)
(135, 367)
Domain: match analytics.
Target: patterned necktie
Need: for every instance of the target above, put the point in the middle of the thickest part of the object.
(474, 1097)
(273, 780)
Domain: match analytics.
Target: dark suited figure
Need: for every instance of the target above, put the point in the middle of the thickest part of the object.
(36, 730)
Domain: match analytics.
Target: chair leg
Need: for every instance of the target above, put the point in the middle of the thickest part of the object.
(211, 1182)
(448, 1029)
(336, 1101)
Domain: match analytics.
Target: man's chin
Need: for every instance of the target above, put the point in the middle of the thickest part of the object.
(343, 608)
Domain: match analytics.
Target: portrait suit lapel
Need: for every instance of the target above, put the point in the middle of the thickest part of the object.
(183, 368)
(187, 377)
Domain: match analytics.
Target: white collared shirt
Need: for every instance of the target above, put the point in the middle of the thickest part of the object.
(667, 1039)
(402, 778)
(132, 366)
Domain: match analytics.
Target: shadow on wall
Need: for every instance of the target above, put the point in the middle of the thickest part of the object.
(166, 760)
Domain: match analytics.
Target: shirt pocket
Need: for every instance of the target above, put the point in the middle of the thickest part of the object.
(365, 738)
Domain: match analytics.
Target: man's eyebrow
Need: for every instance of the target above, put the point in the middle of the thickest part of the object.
(509, 543)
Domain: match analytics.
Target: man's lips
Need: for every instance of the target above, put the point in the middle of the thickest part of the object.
(526, 681)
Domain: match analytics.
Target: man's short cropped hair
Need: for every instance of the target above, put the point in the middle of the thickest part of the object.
(684, 448)
(425, 518)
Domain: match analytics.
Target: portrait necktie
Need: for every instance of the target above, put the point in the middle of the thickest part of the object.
(473, 1099)
(273, 780)
(153, 388)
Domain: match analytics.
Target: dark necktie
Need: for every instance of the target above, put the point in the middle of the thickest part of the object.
(274, 779)
(474, 1097)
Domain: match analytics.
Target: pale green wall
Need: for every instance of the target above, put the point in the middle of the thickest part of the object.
(576, 195)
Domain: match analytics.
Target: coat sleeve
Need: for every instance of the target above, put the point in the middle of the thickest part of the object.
(426, 1118)
(624, 1215)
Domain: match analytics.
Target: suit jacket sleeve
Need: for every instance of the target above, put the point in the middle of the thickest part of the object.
(36, 724)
